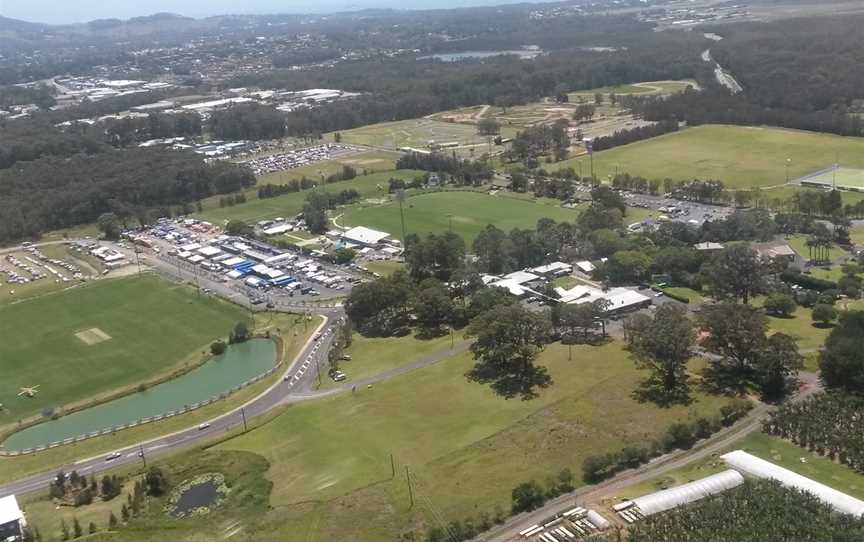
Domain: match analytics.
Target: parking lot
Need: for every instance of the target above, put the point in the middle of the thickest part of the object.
(297, 158)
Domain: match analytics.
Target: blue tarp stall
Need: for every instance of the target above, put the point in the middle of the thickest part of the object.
(245, 266)
(284, 281)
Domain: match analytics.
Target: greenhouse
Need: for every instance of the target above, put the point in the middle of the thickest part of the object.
(679, 495)
(754, 466)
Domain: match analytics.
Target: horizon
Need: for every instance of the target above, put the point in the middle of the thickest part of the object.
(83, 11)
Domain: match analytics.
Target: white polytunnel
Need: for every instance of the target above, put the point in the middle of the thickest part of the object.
(687, 493)
(759, 468)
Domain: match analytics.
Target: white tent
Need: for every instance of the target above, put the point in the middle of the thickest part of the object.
(687, 493)
(754, 466)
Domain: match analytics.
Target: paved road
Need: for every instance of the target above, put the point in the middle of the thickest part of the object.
(720, 441)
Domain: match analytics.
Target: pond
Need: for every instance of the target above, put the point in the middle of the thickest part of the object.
(239, 363)
(470, 55)
(197, 496)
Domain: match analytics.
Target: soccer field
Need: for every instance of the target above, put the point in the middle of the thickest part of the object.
(841, 177)
(741, 157)
(106, 335)
(469, 213)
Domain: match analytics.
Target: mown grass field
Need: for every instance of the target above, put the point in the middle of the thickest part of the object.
(370, 356)
(741, 157)
(466, 447)
(470, 211)
(294, 334)
(417, 133)
(153, 327)
(374, 185)
(801, 325)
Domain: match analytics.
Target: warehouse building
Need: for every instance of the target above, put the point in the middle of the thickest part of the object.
(11, 519)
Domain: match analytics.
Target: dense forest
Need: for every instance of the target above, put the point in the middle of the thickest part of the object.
(55, 192)
(796, 73)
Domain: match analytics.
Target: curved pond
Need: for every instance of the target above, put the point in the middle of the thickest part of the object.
(241, 362)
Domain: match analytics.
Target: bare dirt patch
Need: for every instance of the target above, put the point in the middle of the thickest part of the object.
(92, 336)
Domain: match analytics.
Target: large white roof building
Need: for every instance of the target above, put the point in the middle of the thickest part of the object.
(364, 235)
(754, 466)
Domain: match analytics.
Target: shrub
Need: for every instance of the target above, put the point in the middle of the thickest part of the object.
(734, 411)
(527, 496)
(680, 435)
(218, 348)
(808, 282)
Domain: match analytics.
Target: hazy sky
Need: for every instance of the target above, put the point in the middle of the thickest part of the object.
(67, 11)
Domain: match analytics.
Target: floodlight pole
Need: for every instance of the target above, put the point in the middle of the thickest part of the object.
(410, 489)
(243, 415)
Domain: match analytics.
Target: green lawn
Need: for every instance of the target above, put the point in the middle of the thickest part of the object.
(799, 245)
(416, 133)
(466, 447)
(800, 325)
(696, 298)
(741, 157)
(471, 212)
(152, 325)
(374, 185)
(370, 356)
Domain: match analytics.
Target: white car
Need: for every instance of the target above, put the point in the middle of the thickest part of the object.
(113, 455)
(203, 426)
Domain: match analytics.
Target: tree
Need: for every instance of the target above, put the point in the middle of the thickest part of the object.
(664, 347)
(237, 227)
(492, 248)
(628, 266)
(109, 225)
(508, 340)
(824, 313)
(433, 307)
(77, 531)
(527, 496)
(240, 333)
(337, 137)
(734, 273)
(777, 366)
(124, 512)
(112, 521)
(155, 482)
(779, 304)
(488, 127)
(380, 308)
(737, 334)
(344, 255)
(841, 362)
(315, 211)
(218, 348)
(91, 529)
(64, 529)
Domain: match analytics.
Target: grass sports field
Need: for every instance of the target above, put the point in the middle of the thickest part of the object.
(471, 212)
(58, 342)
(330, 460)
(290, 204)
(742, 157)
(841, 177)
(417, 133)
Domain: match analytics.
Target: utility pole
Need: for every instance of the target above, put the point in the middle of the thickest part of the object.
(410, 489)
(570, 352)
(243, 414)
(392, 467)
(142, 456)
(138, 260)
(400, 197)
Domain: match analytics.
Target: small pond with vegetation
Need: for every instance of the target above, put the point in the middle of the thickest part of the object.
(198, 496)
